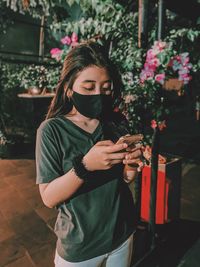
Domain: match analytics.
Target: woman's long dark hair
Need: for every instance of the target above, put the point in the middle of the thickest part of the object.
(79, 58)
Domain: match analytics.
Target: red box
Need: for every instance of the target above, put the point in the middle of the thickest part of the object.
(168, 192)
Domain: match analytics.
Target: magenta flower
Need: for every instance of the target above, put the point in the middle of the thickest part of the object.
(160, 78)
(153, 124)
(150, 54)
(66, 40)
(74, 37)
(184, 77)
(178, 58)
(153, 63)
(186, 61)
(146, 74)
(56, 53)
(158, 46)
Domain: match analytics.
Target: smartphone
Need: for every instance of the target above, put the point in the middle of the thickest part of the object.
(130, 140)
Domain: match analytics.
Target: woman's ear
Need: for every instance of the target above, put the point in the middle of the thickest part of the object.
(68, 92)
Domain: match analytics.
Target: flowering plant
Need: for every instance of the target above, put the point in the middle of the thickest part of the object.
(144, 97)
(163, 66)
(162, 63)
(33, 75)
(68, 42)
(3, 139)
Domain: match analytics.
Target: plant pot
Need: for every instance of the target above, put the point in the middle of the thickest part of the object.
(13, 148)
(173, 84)
(5, 151)
(34, 90)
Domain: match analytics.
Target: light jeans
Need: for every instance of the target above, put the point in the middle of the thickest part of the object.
(120, 257)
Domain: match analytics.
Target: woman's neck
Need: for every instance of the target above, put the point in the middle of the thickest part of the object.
(78, 117)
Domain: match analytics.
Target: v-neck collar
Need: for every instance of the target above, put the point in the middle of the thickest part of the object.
(81, 129)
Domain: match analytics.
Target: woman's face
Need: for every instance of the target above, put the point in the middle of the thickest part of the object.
(93, 80)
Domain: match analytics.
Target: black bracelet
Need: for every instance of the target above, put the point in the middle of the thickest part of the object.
(79, 168)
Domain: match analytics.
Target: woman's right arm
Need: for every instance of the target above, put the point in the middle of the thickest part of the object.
(60, 189)
(105, 153)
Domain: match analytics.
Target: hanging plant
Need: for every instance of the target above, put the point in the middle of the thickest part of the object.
(163, 63)
(68, 42)
(164, 69)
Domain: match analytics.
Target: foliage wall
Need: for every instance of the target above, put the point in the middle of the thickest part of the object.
(116, 25)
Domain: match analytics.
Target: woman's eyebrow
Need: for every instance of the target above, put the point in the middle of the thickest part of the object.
(92, 81)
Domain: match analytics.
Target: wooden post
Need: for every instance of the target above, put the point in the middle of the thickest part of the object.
(41, 41)
(154, 176)
(161, 19)
(142, 23)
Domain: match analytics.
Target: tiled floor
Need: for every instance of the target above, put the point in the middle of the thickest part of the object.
(26, 225)
(26, 234)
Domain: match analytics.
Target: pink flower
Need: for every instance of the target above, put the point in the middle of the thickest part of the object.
(183, 75)
(186, 60)
(74, 37)
(160, 78)
(178, 58)
(153, 124)
(129, 98)
(159, 46)
(150, 65)
(146, 66)
(116, 109)
(56, 53)
(66, 40)
(162, 125)
(146, 74)
(155, 61)
(150, 54)
(185, 78)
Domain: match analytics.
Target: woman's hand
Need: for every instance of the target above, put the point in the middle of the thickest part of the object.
(134, 157)
(103, 155)
(133, 163)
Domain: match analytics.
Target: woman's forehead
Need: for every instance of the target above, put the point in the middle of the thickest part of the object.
(93, 73)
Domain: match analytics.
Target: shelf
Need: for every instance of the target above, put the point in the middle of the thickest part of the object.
(47, 95)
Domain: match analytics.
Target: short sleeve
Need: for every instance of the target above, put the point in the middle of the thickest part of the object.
(48, 160)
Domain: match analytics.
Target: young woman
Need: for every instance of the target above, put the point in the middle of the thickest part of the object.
(80, 168)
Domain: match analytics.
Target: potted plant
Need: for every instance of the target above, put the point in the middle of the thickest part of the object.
(34, 78)
(5, 145)
(166, 67)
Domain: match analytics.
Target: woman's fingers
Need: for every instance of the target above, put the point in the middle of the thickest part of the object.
(115, 161)
(134, 147)
(117, 156)
(134, 155)
(116, 148)
(136, 163)
(131, 161)
(105, 143)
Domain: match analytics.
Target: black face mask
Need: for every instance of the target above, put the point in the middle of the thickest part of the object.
(92, 106)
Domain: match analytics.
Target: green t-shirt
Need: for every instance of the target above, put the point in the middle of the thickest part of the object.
(101, 214)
